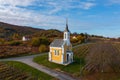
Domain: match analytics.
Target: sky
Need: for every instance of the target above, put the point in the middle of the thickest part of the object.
(99, 17)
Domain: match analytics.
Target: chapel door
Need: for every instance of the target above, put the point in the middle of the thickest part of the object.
(67, 57)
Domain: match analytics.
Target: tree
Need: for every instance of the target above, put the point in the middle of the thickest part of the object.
(15, 43)
(74, 40)
(39, 41)
(15, 36)
(2, 41)
(35, 42)
(82, 34)
(81, 38)
(42, 48)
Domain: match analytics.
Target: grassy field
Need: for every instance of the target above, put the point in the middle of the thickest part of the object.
(73, 69)
(30, 70)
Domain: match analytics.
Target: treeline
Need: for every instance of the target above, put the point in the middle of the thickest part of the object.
(78, 38)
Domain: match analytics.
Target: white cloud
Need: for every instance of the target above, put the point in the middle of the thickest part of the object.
(18, 16)
(114, 1)
(21, 16)
(60, 5)
(16, 2)
(11, 13)
(72, 4)
(88, 5)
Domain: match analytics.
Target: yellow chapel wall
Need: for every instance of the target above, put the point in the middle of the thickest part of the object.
(56, 58)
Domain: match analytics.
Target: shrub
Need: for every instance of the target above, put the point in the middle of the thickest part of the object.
(2, 41)
(14, 43)
(39, 41)
(74, 40)
(35, 42)
(42, 48)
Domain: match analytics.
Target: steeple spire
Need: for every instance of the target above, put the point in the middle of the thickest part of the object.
(66, 29)
(67, 34)
(66, 22)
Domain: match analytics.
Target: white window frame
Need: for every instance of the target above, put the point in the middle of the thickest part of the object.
(56, 52)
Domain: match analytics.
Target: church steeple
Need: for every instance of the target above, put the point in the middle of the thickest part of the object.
(67, 34)
(66, 29)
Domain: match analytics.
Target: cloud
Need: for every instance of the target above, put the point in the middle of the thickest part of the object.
(55, 6)
(114, 1)
(17, 12)
(16, 2)
(60, 5)
(29, 18)
(11, 13)
(88, 5)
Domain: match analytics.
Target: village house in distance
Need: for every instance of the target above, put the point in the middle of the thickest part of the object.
(61, 49)
(25, 38)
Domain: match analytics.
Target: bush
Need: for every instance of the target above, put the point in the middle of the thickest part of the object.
(39, 41)
(35, 42)
(42, 48)
(2, 41)
(74, 40)
(14, 43)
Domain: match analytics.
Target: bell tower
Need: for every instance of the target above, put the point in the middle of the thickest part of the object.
(67, 34)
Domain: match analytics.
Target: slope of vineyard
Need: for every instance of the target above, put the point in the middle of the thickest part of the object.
(37, 75)
(81, 51)
(10, 51)
(11, 73)
(101, 60)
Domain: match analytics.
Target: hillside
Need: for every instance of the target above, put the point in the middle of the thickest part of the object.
(8, 30)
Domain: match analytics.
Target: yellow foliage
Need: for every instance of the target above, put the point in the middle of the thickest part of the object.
(42, 48)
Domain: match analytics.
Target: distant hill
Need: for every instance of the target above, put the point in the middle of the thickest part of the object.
(7, 31)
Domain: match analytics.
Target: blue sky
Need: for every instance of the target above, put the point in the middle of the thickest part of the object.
(100, 17)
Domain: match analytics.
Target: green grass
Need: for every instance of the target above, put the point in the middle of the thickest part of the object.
(30, 70)
(73, 69)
